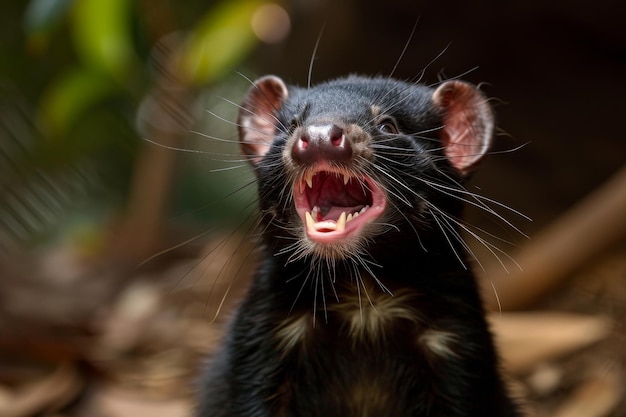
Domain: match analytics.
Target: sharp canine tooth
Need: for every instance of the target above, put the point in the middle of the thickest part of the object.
(310, 223)
(341, 222)
(309, 179)
(346, 178)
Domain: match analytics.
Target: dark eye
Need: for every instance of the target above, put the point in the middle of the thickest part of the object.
(295, 123)
(388, 126)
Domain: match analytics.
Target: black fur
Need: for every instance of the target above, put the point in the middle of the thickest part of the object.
(413, 252)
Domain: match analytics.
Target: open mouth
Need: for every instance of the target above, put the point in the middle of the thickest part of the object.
(334, 206)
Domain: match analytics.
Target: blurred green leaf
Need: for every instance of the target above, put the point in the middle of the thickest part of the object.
(220, 40)
(71, 95)
(102, 35)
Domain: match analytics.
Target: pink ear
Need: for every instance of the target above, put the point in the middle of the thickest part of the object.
(467, 123)
(257, 116)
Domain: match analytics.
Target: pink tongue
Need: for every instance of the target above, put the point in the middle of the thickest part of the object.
(335, 212)
(331, 192)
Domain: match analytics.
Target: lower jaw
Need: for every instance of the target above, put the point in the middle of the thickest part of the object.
(332, 251)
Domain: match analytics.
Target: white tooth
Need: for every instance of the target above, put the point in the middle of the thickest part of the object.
(315, 211)
(341, 222)
(349, 218)
(310, 223)
(364, 209)
(309, 179)
(346, 178)
(355, 215)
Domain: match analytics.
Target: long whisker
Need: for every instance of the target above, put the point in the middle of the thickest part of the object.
(406, 46)
(445, 235)
(236, 275)
(173, 148)
(489, 246)
(313, 55)
(477, 201)
(172, 248)
(213, 138)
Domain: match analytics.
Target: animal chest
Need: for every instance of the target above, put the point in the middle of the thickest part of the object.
(369, 353)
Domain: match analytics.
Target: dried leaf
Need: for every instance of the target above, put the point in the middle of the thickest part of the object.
(528, 339)
(115, 402)
(596, 397)
(45, 394)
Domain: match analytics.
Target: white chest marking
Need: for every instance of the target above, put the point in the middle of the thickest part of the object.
(368, 316)
(293, 332)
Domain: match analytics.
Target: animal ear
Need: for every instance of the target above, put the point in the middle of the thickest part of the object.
(257, 116)
(467, 123)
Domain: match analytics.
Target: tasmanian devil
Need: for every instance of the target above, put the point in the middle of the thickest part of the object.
(363, 304)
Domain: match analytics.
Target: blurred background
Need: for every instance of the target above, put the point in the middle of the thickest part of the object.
(126, 214)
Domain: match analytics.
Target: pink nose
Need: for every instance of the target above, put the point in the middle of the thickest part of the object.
(321, 142)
